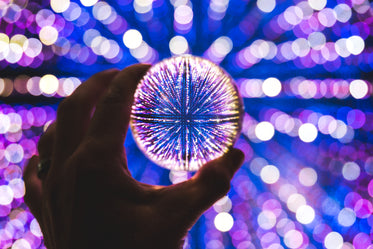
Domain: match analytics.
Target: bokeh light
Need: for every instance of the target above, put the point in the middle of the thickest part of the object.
(304, 69)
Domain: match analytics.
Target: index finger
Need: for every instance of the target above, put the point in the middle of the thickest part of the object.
(112, 115)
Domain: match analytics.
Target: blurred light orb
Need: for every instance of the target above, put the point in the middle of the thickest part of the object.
(266, 219)
(264, 131)
(305, 214)
(343, 12)
(293, 239)
(60, 6)
(183, 14)
(271, 87)
(21, 244)
(317, 40)
(307, 132)
(132, 38)
(223, 222)
(346, 217)
(270, 174)
(333, 240)
(101, 11)
(355, 44)
(358, 89)
(32, 47)
(48, 35)
(341, 48)
(186, 112)
(178, 45)
(6, 195)
(222, 205)
(307, 177)
(222, 46)
(266, 5)
(35, 228)
(317, 4)
(48, 84)
(88, 3)
(295, 201)
(351, 171)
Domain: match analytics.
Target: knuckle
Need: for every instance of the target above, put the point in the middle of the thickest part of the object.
(66, 106)
(84, 160)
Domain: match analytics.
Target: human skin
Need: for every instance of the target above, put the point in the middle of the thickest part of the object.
(88, 198)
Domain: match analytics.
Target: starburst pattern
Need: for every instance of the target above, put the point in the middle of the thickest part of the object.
(186, 112)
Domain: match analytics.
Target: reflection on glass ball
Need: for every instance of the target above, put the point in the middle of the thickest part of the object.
(186, 112)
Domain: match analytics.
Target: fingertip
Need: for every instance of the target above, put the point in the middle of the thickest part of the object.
(131, 76)
(235, 157)
(219, 172)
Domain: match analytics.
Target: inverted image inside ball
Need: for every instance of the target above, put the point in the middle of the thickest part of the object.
(186, 112)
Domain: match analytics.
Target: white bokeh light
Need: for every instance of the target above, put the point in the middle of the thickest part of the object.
(178, 45)
(6, 195)
(264, 131)
(35, 228)
(355, 44)
(305, 214)
(221, 46)
(88, 3)
(266, 5)
(293, 239)
(271, 87)
(60, 5)
(317, 4)
(346, 217)
(223, 222)
(132, 39)
(351, 171)
(21, 244)
(333, 240)
(341, 48)
(223, 205)
(307, 132)
(48, 84)
(295, 201)
(317, 40)
(48, 35)
(343, 12)
(270, 174)
(358, 89)
(307, 177)
(266, 219)
(183, 14)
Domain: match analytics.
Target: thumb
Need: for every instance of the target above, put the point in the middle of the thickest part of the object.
(213, 179)
(191, 198)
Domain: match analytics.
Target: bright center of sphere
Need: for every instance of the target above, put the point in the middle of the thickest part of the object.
(186, 112)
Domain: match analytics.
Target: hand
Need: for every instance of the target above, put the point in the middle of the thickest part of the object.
(88, 198)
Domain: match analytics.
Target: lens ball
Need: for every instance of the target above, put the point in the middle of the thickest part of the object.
(186, 112)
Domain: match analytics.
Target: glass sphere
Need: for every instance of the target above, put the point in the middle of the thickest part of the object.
(186, 112)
